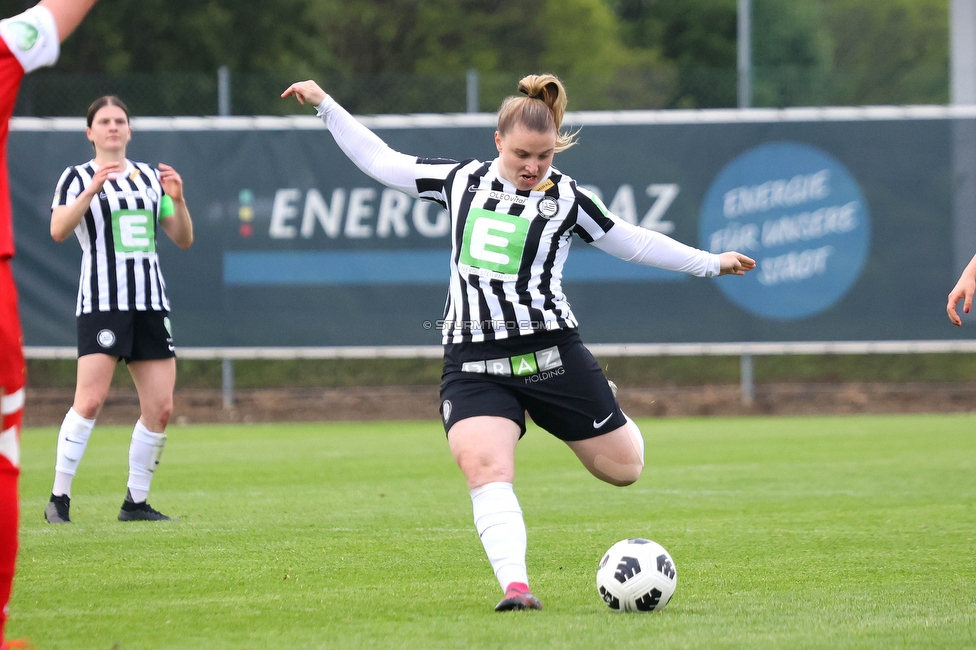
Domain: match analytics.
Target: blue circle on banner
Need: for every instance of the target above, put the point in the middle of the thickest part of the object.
(801, 215)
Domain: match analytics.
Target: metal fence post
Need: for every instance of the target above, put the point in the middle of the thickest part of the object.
(223, 90)
(227, 374)
(473, 90)
(744, 46)
(747, 379)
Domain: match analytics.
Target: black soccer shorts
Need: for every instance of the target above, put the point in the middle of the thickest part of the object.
(549, 375)
(129, 335)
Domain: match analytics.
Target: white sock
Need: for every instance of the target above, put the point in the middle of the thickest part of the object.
(72, 441)
(144, 453)
(498, 518)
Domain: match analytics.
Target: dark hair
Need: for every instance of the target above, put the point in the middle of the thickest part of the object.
(541, 110)
(102, 102)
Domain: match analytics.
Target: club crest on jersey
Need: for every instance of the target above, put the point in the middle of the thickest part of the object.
(151, 193)
(548, 207)
(106, 338)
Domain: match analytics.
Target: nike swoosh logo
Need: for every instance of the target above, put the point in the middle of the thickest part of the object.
(597, 425)
(473, 188)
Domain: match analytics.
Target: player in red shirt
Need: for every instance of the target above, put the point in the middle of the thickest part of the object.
(28, 41)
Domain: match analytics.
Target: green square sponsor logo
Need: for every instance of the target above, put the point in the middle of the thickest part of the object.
(524, 364)
(134, 231)
(493, 244)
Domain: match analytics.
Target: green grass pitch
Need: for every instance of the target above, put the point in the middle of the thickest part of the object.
(819, 532)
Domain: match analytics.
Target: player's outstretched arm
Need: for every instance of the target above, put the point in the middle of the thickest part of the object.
(68, 14)
(733, 263)
(964, 290)
(643, 246)
(363, 147)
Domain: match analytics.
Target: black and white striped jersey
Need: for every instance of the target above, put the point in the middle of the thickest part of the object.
(508, 247)
(119, 265)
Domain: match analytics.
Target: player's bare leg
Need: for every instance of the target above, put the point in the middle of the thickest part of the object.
(484, 449)
(616, 457)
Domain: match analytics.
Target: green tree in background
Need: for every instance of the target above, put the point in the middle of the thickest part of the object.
(427, 37)
(150, 36)
(700, 39)
(791, 53)
(804, 53)
(293, 37)
(637, 53)
(699, 34)
(889, 50)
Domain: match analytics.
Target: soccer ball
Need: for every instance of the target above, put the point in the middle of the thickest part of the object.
(636, 575)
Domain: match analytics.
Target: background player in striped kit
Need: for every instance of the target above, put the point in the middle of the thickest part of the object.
(28, 41)
(113, 206)
(511, 343)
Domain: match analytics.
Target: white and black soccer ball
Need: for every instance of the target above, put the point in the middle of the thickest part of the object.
(636, 575)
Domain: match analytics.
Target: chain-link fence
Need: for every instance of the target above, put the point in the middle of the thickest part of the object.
(50, 93)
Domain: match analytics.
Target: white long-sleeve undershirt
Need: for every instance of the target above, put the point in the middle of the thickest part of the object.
(367, 150)
(642, 246)
(397, 170)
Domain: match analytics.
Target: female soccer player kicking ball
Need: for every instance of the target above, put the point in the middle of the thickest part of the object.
(510, 338)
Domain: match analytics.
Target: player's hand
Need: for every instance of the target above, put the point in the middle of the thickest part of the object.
(305, 92)
(171, 181)
(964, 291)
(107, 172)
(733, 263)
